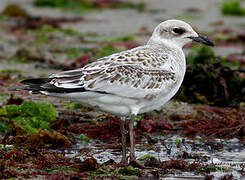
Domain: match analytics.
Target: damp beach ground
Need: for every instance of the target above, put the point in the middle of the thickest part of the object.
(200, 134)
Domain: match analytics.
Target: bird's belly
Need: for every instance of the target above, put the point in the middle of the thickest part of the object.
(161, 98)
(113, 104)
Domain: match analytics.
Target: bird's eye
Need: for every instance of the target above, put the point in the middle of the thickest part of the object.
(178, 30)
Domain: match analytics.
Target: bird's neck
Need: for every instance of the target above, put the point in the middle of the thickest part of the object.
(167, 47)
(164, 42)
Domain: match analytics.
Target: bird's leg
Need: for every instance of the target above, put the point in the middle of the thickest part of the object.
(123, 132)
(131, 136)
(133, 160)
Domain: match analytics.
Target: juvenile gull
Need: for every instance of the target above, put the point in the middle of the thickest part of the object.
(129, 82)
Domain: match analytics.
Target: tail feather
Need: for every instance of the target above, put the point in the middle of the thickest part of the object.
(40, 85)
(33, 85)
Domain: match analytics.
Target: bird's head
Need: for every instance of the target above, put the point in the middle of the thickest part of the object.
(177, 32)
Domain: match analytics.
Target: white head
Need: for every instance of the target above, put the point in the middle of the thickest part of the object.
(177, 32)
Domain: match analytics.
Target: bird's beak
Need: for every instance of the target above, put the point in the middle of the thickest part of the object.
(202, 39)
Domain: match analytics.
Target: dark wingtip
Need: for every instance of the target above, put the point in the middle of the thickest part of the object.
(35, 81)
(20, 88)
(13, 89)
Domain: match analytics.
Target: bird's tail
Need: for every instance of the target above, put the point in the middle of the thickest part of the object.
(33, 85)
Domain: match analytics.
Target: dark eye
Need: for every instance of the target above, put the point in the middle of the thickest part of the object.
(178, 30)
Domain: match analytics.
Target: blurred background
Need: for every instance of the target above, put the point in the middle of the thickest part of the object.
(41, 37)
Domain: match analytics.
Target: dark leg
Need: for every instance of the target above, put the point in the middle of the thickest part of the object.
(133, 160)
(131, 136)
(123, 132)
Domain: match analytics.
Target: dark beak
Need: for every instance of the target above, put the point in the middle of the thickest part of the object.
(202, 39)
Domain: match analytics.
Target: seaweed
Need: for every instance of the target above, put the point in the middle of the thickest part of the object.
(33, 162)
(150, 125)
(43, 138)
(89, 164)
(14, 10)
(75, 105)
(105, 51)
(229, 37)
(65, 4)
(232, 7)
(30, 116)
(146, 157)
(128, 171)
(3, 126)
(125, 38)
(104, 130)
(86, 56)
(36, 23)
(4, 18)
(209, 80)
(183, 165)
(216, 122)
(81, 6)
(78, 62)
(227, 177)
(14, 100)
(84, 139)
(48, 29)
(200, 55)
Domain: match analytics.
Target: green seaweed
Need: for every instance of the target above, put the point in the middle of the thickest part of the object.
(98, 52)
(209, 169)
(3, 97)
(15, 59)
(47, 33)
(109, 172)
(73, 52)
(138, 118)
(232, 7)
(6, 147)
(10, 71)
(211, 80)
(200, 54)
(125, 38)
(14, 10)
(30, 116)
(105, 51)
(146, 157)
(74, 105)
(4, 18)
(82, 6)
(3, 126)
(47, 29)
(128, 5)
(84, 139)
(60, 169)
(74, 5)
(128, 171)
(101, 171)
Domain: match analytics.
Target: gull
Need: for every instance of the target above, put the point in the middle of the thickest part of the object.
(127, 83)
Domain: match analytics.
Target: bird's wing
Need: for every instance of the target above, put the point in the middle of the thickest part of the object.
(132, 74)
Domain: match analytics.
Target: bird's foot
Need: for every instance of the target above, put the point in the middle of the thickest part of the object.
(133, 162)
(123, 163)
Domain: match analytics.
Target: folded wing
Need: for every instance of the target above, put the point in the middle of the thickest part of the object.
(128, 78)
